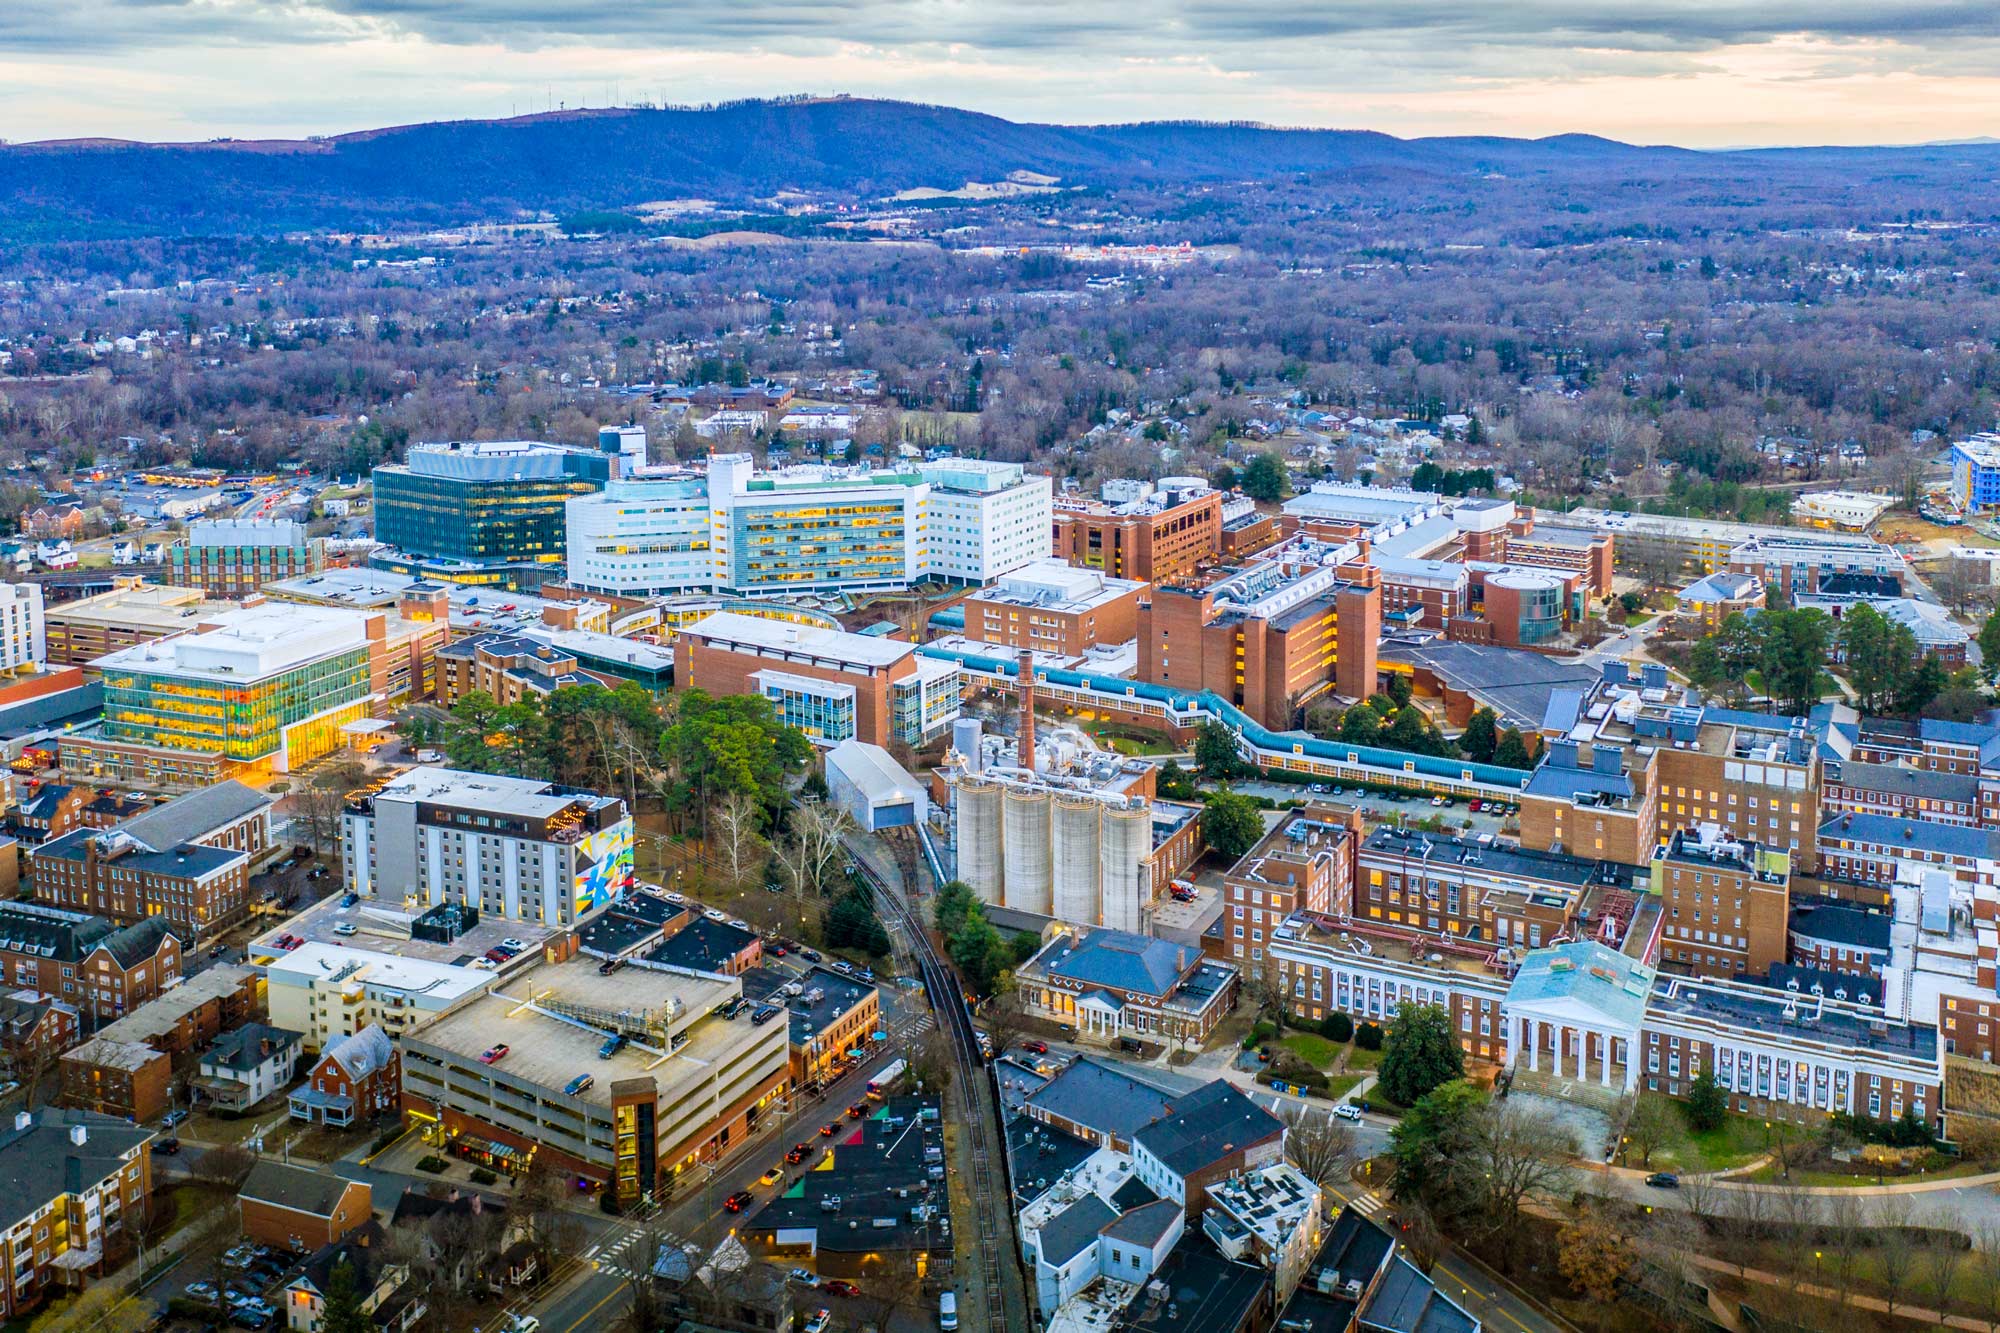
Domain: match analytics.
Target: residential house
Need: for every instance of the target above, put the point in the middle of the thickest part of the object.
(386, 1294)
(248, 1065)
(1210, 1134)
(357, 1078)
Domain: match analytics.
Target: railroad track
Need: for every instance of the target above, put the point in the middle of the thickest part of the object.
(992, 1213)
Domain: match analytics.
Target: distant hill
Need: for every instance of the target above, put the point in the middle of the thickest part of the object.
(459, 171)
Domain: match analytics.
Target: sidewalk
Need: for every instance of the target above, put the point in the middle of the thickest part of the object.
(1874, 1304)
(1638, 1175)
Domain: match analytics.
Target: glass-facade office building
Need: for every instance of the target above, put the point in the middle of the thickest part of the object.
(473, 512)
(245, 721)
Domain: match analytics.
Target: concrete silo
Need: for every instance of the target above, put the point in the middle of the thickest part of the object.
(1125, 869)
(1026, 837)
(978, 824)
(1074, 852)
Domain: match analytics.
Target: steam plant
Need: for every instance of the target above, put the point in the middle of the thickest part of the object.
(1080, 840)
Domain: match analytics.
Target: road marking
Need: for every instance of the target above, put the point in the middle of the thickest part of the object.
(609, 1297)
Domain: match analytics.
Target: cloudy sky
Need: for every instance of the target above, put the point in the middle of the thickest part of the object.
(1695, 72)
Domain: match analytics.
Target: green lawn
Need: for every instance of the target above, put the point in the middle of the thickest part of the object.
(1315, 1050)
(1741, 1139)
(1339, 1085)
(1358, 1059)
(1136, 745)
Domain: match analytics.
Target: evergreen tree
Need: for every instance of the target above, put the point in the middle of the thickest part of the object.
(1921, 686)
(1264, 478)
(1400, 689)
(342, 1312)
(1215, 751)
(1421, 1053)
(1707, 1103)
(1481, 736)
(1361, 725)
(1230, 824)
(1989, 645)
(1512, 751)
(1409, 730)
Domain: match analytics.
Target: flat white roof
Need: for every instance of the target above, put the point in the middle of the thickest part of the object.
(439, 982)
(529, 797)
(248, 645)
(724, 628)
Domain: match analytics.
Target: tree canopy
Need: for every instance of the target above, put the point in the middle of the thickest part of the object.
(1230, 824)
(1420, 1053)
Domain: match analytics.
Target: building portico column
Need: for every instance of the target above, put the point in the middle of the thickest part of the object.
(1631, 1063)
(1532, 1029)
(1604, 1076)
(1557, 1031)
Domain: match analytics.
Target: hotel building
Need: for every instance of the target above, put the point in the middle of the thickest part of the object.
(515, 848)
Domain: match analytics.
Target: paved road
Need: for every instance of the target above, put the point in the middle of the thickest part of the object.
(1973, 1207)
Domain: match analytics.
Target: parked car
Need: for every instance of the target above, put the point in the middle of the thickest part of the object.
(173, 1117)
(612, 1045)
(834, 1286)
(803, 1277)
(200, 1291)
(1347, 1111)
(578, 1084)
(168, 1147)
(821, 1318)
(345, 928)
(495, 1053)
(511, 943)
(1038, 1047)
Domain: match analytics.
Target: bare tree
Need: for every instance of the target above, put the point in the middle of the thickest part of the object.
(1423, 1239)
(1985, 1283)
(1655, 1123)
(1321, 1147)
(1942, 1257)
(226, 1164)
(809, 852)
(1654, 560)
(1845, 1232)
(1524, 1158)
(1895, 1248)
(734, 830)
(317, 806)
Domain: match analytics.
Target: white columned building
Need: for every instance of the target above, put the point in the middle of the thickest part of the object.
(1583, 1004)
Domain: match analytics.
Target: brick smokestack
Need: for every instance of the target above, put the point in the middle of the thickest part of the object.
(1025, 678)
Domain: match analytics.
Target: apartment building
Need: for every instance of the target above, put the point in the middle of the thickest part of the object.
(832, 1017)
(830, 684)
(193, 890)
(629, 1079)
(87, 961)
(358, 1078)
(1054, 608)
(1162, 538)
(24, 645)
(515, 848)
(1727, 903)
(82, 1184)
(231, 558)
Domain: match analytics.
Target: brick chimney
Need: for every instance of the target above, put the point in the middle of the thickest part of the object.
(1026, 680)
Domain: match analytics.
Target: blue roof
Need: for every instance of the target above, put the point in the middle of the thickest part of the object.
(1922, 835)
(1101, 1098)
(1558, 780)
(1586, 971)
(1565, 706)
(1238, 721)
(1121, 961)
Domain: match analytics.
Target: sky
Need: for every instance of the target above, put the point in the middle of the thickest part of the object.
(1701, 73)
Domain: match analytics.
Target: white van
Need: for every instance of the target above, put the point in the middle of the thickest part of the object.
(948, 1311)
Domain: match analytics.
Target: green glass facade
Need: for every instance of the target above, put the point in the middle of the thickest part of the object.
(512, 521)
(243, 720)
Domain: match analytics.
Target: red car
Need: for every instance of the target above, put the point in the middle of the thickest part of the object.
(738, 1201)
(495, 1053)
(834, 1286)
(1038, 1047)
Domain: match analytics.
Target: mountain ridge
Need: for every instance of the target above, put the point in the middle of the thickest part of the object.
(561, 162)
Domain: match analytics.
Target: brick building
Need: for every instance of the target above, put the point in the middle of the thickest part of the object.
(1163, 537)
(358, 1078)
(1727, 903)
(78, 1183)
(1268, 639)
(1305, 864)
(1054, 608)
(299, 1209)
(102, 968)
(196, 890)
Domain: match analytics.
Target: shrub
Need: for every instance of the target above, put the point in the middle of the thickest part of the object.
(481, 1176)
(433, 1164)
(1260, 1034)
(1368, 1036)
(386, 1137)
(1337, 1027)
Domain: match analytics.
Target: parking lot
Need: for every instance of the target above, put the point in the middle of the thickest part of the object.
(368, 923)
(243, 1284)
